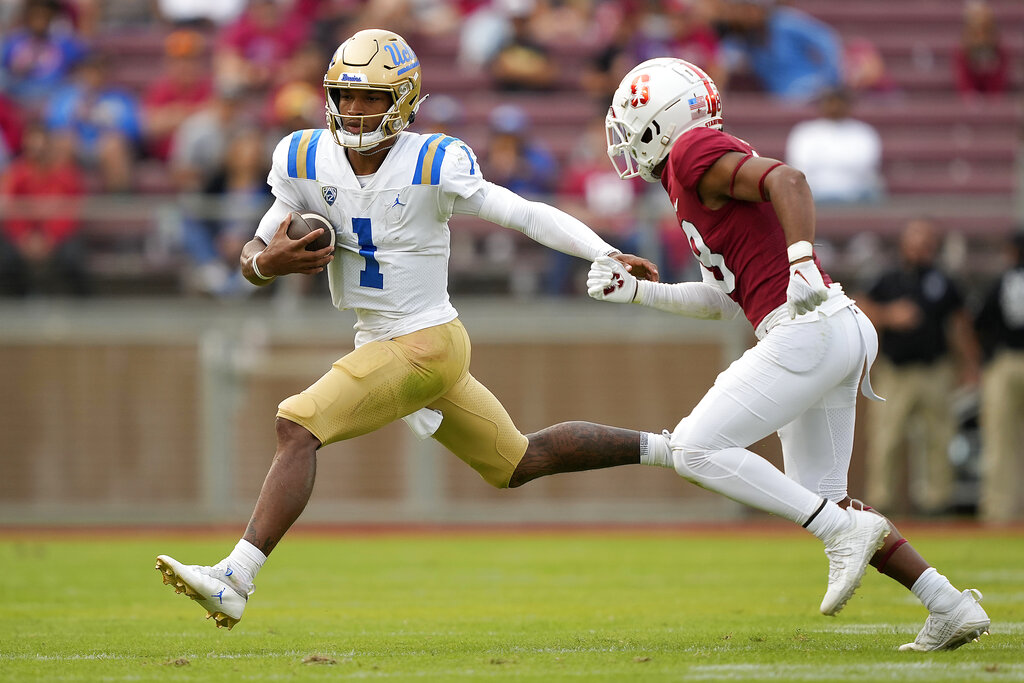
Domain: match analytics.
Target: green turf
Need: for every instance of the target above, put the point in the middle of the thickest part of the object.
(565, 606)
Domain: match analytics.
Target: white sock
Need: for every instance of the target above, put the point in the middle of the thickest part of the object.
(935, 591)
(654, 449)
(245, 562)
(828, 521)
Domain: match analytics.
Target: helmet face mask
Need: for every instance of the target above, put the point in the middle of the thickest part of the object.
(372, 60)
(369, 127)
(655, 103)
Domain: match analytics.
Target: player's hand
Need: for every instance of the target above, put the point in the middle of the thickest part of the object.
(284, 255)
(640, 268)
(806, 289)
(608, 280)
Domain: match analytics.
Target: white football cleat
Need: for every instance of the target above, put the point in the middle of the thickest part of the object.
(212, 587)
(848, 553)
(963, 624)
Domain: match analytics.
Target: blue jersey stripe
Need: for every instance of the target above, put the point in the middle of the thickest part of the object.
(417, 179)
(311, 154)
(293, 154)
(435, 169)
(472, 165)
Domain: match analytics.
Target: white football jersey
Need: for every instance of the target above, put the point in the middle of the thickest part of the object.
(392, 236)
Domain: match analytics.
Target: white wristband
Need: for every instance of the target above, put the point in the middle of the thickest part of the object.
(799, 250)
(256, 269)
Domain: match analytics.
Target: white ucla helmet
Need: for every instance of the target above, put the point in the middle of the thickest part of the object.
(655, 103)
(373, 59)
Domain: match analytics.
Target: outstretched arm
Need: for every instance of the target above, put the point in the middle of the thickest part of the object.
(549, 226)
(609, 281)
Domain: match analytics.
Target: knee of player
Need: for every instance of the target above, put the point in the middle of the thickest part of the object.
(688, 455)
(503, 481)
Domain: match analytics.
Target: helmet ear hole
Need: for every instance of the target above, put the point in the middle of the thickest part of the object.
(647, 136)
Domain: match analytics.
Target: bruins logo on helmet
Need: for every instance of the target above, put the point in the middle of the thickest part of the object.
(373, 59)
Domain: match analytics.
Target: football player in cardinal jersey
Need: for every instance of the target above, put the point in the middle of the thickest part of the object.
(750, 223)
(389, 194)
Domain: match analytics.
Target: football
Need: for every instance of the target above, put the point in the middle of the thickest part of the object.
(304, 223)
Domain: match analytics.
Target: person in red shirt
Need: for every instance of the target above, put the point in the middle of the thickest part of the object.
(40, 250)
(182, 88)
(750, 223)
(981, 62)
(253, 48)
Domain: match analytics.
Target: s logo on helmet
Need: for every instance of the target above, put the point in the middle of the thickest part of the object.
(640, 91)
(330, 193)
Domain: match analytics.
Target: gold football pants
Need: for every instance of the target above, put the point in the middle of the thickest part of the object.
(383, 381)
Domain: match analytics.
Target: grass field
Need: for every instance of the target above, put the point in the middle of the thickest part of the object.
(670, 605)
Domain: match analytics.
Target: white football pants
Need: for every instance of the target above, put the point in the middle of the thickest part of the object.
(801, 381)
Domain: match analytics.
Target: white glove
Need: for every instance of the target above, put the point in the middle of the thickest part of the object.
(608, 280)
(806, 289)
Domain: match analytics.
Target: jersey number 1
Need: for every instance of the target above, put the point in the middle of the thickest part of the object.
(370, 275)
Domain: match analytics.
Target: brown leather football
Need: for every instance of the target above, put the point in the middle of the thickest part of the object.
(304, 223)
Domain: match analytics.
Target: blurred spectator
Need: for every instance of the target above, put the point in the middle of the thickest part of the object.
(981, 61)
(676, 28)
(522, 63)
(297, 100)
(83, 16)
(792, 54)
(104, 120)
(198, 12)
(485, 28)
(11, 125)
(40, 248)
(5, 154)
(591, 190)
(199, 145)
(440, 114)
(555, 22)
(864, 68)
(238, 196)
(515, 159)
(180, 90)
(417, 17)
(38, 56)
(603, 71)
(840, 155)
(251, 49)
(920, 315)
(296, 106)
(1000, 327)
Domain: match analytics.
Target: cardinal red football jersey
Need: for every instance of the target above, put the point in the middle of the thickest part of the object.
(741, 246)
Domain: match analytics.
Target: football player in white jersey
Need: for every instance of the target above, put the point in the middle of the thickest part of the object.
(389, 194)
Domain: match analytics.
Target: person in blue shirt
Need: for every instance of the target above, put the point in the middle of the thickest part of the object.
(104, 120)
(37, 56)
(791, 54)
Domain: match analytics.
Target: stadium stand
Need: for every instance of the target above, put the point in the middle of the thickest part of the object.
(944, 154)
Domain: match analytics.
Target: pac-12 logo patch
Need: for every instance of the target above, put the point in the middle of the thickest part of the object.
(330, 193)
